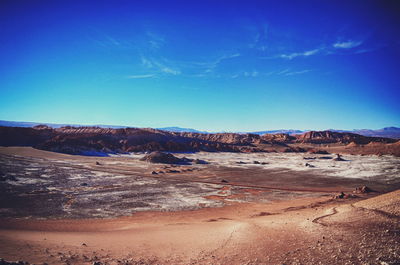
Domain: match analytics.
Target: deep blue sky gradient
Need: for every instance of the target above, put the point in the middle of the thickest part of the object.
(209, 65)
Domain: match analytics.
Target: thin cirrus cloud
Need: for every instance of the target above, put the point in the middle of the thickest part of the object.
(159, 67)
(324, 50)
(347, 44)
(141, 76)
(290, 56)
(297, 72)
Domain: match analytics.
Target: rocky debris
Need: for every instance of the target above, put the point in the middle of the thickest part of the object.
(339, 158)
(339, 196)
(8, 178)
(363, 190)
(98, 163)
(256, 162)
(163, 158)
(343, 195)
(294, 149)
(84, 184)
(241, 163)
(325, 157)
(200, 162)
(154, 173)
(319, 152)
(224, 181)
(309, 158)
(173, 171)
(309, 165)
(4, 262)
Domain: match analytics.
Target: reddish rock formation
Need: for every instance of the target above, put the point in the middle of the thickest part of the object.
(96, 140)
(327, 137)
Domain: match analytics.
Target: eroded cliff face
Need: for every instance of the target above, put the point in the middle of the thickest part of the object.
(89, 140)
(325, 137)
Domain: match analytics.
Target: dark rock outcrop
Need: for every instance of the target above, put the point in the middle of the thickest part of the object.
(163, 158)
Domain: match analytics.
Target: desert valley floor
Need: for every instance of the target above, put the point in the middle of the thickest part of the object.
(238, 208)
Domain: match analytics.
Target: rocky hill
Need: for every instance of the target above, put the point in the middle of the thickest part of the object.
(329, 137)
(95, 140)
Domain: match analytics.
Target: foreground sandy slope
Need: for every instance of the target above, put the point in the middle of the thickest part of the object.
(280, 212)
(302, 231)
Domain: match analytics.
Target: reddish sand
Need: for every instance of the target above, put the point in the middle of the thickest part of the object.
(308, 230)
(298, 231)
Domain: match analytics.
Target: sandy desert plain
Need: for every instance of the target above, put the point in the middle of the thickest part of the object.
(238, 208)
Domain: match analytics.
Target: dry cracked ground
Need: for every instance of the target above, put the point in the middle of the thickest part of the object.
(264, 208)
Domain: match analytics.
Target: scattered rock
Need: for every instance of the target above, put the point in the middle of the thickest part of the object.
(342, 195)
(309, 165)
(7, 177)
(319, 152)
(84, 184)
(98, 163)
(241, 163)
(173, 171)
(224, 181)
(325, 157)
(200, 162)
(4, 262)
(256, 162)
(339, 158)
(309, 158)
(363, 189)
(339, 196)
(154, 173)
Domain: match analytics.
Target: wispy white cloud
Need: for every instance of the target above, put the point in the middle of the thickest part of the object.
(158, 66)
(284, 71)
(251, 74)
(141, 76)
(154, 40)
(290, 56)
(171, 71)
(347, 44)
(297, 72)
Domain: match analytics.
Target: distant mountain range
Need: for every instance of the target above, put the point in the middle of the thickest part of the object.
(389, 132)
(290, 132)
(179, 129)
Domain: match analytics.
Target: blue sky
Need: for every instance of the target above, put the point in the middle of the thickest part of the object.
(209, 65)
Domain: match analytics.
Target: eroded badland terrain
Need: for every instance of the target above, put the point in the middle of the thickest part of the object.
(205, 199)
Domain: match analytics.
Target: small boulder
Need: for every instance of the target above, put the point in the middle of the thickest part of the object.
(339, 196)
(362, 190)
(200, 162)
(339, 158)
(173, 171)
(309, 165)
